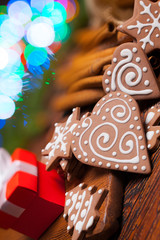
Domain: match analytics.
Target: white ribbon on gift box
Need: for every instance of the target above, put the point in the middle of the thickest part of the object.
(7, 171)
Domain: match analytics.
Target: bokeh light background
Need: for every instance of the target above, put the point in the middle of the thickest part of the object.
(31, 32)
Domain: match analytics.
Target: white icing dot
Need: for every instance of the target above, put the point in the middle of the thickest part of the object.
(80, 197)
(149, 145)
(125, 168)
(138, 128)
(104, 118)
(140, 137)
(158, 110)
(145, 69)
(117, 166)
(134, 50)
(135, 167)
(109, 73)
(157, 35)
(136, 118)
(156, 12)
(65, 153)
(86, 142)
(47, 163)
(120, 26)
(86, 159)
(64, 215)
(74, 149)
(90, 222)
(107, 109)
(157, 131)
(114, 154)
(86, 203)
(108, 165)
(142, 147)
(97, 104)
(133, 108)
(71, 193)
(68, 202)
(148, 19)
(73, 141)
(80, 185)
(100, 191)
(138, 59)
(78, 205)
(146, 30)
(144, 157)
(85, 154)
(106, 81)
(103, 99)
(107, 89)
(118, 94)
(90, 188)
(83, 213)
(146, 83)
(125, 96)
(94, 113)
(68, 228)
(77, 134)
(55, 124)
(65, 138)
(148, 127)
(100, 163)
(114, 60)
(79, 127)
(73, 110)
(152, 107)
(131, 126)
(143, 168)
(74, 133)
(79, 156)
(130, 100)
(93, 160)
(110, 95)
(66, 193)
(73, 217)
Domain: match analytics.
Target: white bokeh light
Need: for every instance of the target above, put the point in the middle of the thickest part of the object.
(10, 85)
(40, 34)
(3, 58)
(20, 12)
(7, 107)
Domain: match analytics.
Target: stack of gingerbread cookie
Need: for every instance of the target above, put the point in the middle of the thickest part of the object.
(115, 137)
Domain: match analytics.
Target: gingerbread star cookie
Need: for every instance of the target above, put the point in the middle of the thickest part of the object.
(112, 136)
(145, 24)
(152, 121)
(81, 209)
(59, 146)
(131, 73)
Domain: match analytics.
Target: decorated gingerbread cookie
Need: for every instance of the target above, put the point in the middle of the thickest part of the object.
(152, 121)
(59, 146)
(131, 73)
(144, 26)
(112, 136)
(81, 209)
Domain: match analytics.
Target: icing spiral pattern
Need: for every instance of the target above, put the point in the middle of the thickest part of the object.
(112, 135)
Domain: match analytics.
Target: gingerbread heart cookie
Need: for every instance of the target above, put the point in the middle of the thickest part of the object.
(81, 209)
(131, 73)
(152, 121)
(112, 136)
(59, 146)
(145, 24)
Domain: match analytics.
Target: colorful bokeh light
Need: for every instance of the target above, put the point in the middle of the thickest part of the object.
(31, 32)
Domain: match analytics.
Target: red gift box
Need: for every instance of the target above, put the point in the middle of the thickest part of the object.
(41, 198)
